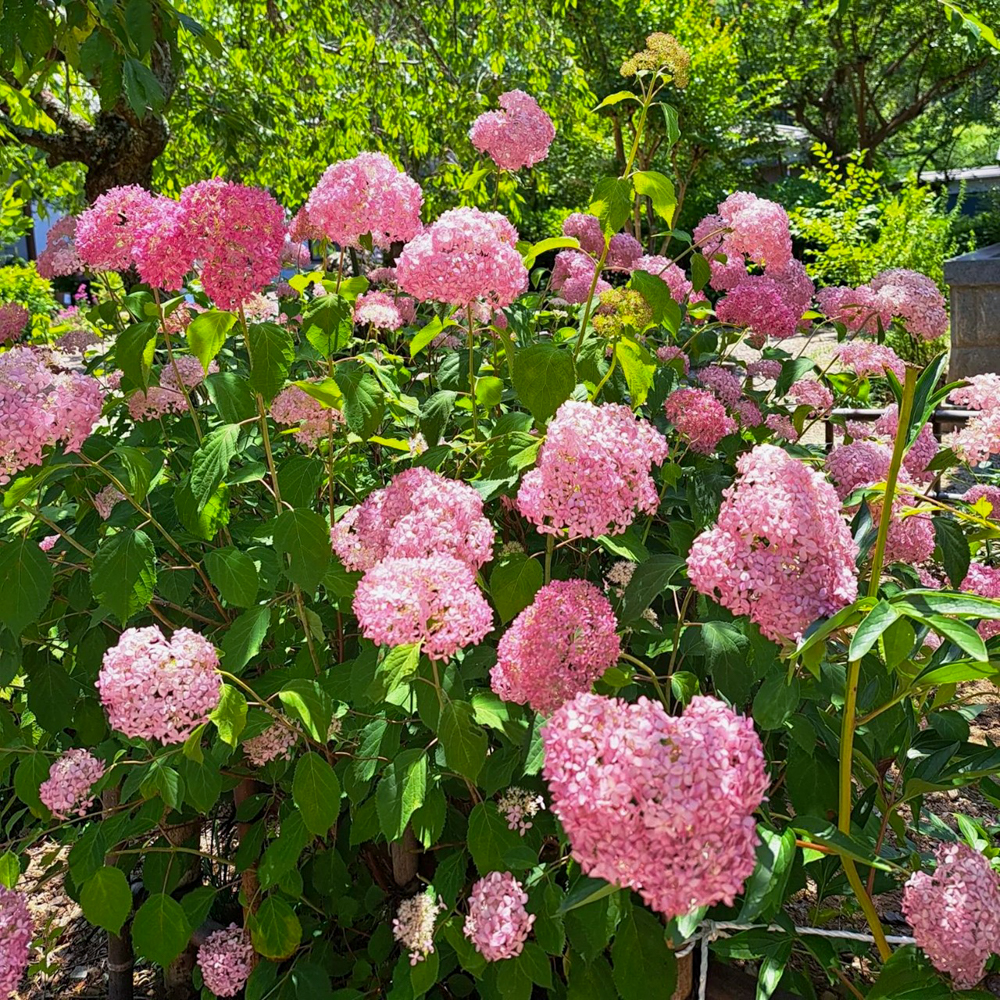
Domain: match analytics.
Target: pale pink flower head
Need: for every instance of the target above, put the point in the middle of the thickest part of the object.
(163, 249)
(59, 258)
(187, 370)
(795, 283)
(981, 393)
(226, 961)
(155, 402)
(413, 925)
(657, 803)
(432, 600)
(573, 276)
(749, 412)
(295, 254)
(498, 923)
(955, 912)
(781, 551)
(237, 235)
(980, 437)
(593, 471)
(866, 358)
(294, 407)
(158, 688)
(860, 310)
(301, 228)
(14, 319)
(557, 646)
(721, 382)
(812, 393)
(106, 232)
(464, 256)
(420, 513)
(699, 418)
(275, 743)
(16, 932)
(920, 453)
(519, 807)
(382, 276)
(365, 195)
(763, 306)
(66, 792)
(984, 581)
(377, 309)
(781, 426)
(48, 543)
(518, 136)
(587, 230)
(623, 251)
(915, 299)
(765, 369)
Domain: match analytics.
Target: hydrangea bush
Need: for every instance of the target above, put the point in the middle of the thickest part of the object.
(463, 617)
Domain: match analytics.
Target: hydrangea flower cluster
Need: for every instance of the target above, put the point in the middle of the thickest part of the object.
(498, 923)
(980, 437)
(866, 358)
(745, 228)
(432, 600)
(920, 453)
(764, 368)
(59, 258)
(519, 807)
(186, 370)
(859, 309)
(16, 931)
(377, 309)
(518, 136)
(623, 251)
(674, 276)
(670, 353)
(592, 472)
(984, 581)
(573, 276)
(955, 912)
(162, 249)
(464, 256)
(13, 319)
(106, 231)
(761, 305)
(294, 407)
(780, 552)
(106, 500)
(557, 646)
(812, 393)
(66, 792)
(662, 52)
(587, 230)
(699, 418)
(721, 382)
(158, 688)
(40, 408)
(420, 513)
(364, 195)
(275, 742)
(621, 311)
(226, 961)
(413, 925)
(155, 402)
(657, 803)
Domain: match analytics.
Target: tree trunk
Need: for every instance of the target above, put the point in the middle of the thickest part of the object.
(120, 957)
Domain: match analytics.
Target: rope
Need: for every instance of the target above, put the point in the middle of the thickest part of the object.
(712, 930)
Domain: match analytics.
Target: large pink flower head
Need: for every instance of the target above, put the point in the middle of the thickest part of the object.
(294, 407)
(860, 309)
(557, 646)
(573, 275)
(797, 287)
(921, 452)
(866, 358)
(623, 251)
(368, 194)
(498, 923)
(984, 581)
(237, 236)
(955, 912)
(379, 310)
(432, 600)
(420, 513)
(980, 437)
(518, 136)
(781, 552)
(699, 418)
(657, 803)
(464, 256)
(186, 369)
(13, 321)
(59, 258)
(66, 792)
(16, 931)
(226, 960)
(763, 306)
(155, 402)
(40, 408)
(163, 248)
(915, 299)
(593, 471)
(587, 229)
(158, 688)
(721, 382)
(812, 393)
(106, 232)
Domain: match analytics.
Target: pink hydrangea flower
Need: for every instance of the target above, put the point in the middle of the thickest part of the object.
(866, 358)
(984, 581)
(669, 353)
(163, 249)
(675, 278)
(276, 742)
(761, 305)
(365, 195)
(382, 276)
(158, 688)
(186, 370)
(557, 646)
(981, 393)
(413, 925)
(989, 493)
(657, 803)
(59, 258)
(764, 368)
(623, 251)
(377, 309)
(780, 552)
(295, 254)
(573, 276)
(915, 299)
(155, 402)
(796, 285)
(519, 807)
(781, 426)
(16, 931)
(498, 923)
(40, 408)
(859, 309)
(723, 384)
(226, 961)
(48, 543)
(955, 912)
(518, 136)
(699, 418)
(432, 600)
(811, 392)
(748, 412)
(587, 230)
(13, 320)
(420, 513)
(106, 232)
(106, 501)
(66, 792)
(920, 453)
(294, 407)
(593, 471)
(262, 308)
(464, 256)
(301, 228)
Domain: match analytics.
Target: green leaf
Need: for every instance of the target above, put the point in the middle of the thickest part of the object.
(308, 702)
(202, 784)
(275, 930)
(672, 124)
(427, 333)
(617, 98)
(660, 191)
(25, 583)
(139, 471)
(304, 536)
(328, 323)
(401, 792)
(245, 637)
(30, 773)
(234, 574)
(160, 930)
(135, 347)
(701, 272)
(920, 603)
(964, 636)
(515, 580)
(299, 479)
(272, 351)
(954, 548)
(489, 838)
(464, 741)
(640, 957)
(586, 890)
(210, 463)
(872, 626)
(728, 655)
(638, 368)
(106, 899)
(364, 400)
(611, 202)
(544, 378)
(776, 701)
(544, 246)
(124, 573)
(397, 666)
(316, 794)
(765, 888)
(206, 334)
(10, 869)
(649, 580)
(52, 695)
(232, 397)
(656, 292)
(907, 975)
(424, 974)
(590, 980)
(230, 715)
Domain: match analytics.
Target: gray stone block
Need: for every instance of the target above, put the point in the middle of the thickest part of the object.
(974, 279)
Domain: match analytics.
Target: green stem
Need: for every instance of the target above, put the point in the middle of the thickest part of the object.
(550, 543)
(607, 375)
(180, 381)
(645, 668)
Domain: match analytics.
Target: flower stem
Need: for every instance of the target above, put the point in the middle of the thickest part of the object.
(472, 374)
(550, 542)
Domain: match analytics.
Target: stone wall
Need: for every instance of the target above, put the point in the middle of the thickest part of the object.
(974, 280)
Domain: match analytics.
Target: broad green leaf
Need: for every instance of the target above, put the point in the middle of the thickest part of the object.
(656, 292)
(672, 124)
(328, 324)
(25, 583)
(552, 243)
(701, 271)
(210, 463)
(308, 702)
(275, 929)
(10, 869)
(424, 974)
(427, 333)
(234, 574)
(230, 715)
(135, 347)
(640, 957)
(202, 784)
(954, 548)
(617, 98)
(649, 580)
(660, 191)
(316, 794)
(31, 772)
(207, 522)
(272, 350)
(299, 479)
(611, 202)
(139, 471)
(160, 930)
(52, 695)
(206, 334)
(364, 398)
(776, 701)
(106, 899)
(401, 792)
(490, 839)
(245, 637)
(638, 367)
(303, 536)
(765, 888)
(124, 573)
(872, 626)
(232, 396)
(544, 377)
(515, 580)
(464, 741)
(398, 665)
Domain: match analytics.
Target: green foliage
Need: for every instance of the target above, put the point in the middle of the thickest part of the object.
(23, 284)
